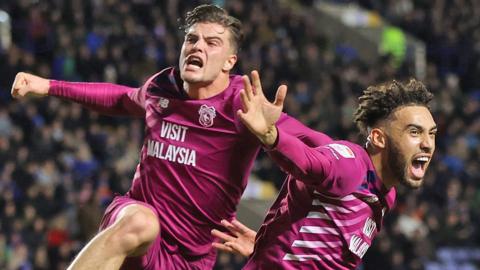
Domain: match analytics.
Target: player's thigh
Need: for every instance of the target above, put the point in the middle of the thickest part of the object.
(136, 227)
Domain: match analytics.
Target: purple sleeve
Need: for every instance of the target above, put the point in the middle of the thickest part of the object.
(330, 172)
(295, 128)
(105, 98)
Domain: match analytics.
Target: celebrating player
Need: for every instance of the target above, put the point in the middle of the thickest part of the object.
(196, 156)
(335, 197)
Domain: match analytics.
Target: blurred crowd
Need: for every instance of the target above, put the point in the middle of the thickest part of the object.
(60, 164)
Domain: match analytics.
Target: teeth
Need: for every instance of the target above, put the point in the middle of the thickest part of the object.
(194, 61)
(422, 159)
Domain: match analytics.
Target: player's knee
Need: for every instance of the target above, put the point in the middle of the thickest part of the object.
(136, 228)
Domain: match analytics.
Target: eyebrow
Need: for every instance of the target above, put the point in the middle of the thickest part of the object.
(420, 127)
(214, 38)
(206, 37)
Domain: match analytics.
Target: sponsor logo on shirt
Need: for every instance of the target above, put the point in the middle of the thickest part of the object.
(170, 152)
(173, 131)
(207, 114)
(358, 246)
(342, 150)
(369, 227)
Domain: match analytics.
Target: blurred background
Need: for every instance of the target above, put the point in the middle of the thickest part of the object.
(60, 165)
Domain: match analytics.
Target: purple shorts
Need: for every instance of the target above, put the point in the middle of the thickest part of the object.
(159, 255)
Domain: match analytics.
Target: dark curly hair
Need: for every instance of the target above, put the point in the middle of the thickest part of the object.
(378, 102)
(215, 14)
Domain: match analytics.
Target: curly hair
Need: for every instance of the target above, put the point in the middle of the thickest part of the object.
(215, 14)
(380, 101)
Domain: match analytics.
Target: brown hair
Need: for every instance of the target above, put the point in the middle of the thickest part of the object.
(378, 102)
(215, 14)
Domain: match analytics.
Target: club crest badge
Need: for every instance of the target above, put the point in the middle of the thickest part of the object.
(163, 102)
(207, 114)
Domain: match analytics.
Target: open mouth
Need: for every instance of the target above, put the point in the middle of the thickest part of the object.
(419, 166)
(194, 61)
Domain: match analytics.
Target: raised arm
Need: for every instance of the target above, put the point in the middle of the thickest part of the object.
(330, 171)
(334, 169)
(273, 112)
(105, 98)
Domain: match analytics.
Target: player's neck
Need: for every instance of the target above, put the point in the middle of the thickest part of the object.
(382, 170)
(204, 91)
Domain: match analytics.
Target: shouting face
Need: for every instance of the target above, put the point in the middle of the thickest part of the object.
(207, 54)
(410, 143)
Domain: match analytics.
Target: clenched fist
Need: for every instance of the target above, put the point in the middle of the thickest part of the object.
(26, 84)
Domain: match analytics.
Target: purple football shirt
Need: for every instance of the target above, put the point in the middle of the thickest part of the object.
(328, 211)
(196, 156)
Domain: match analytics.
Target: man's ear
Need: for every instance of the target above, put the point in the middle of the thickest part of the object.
(230, 63)
(378, 138)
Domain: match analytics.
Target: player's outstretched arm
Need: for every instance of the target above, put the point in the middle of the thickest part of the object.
(105, 98)
(240, 241)
(257, 113)
(26, 84)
